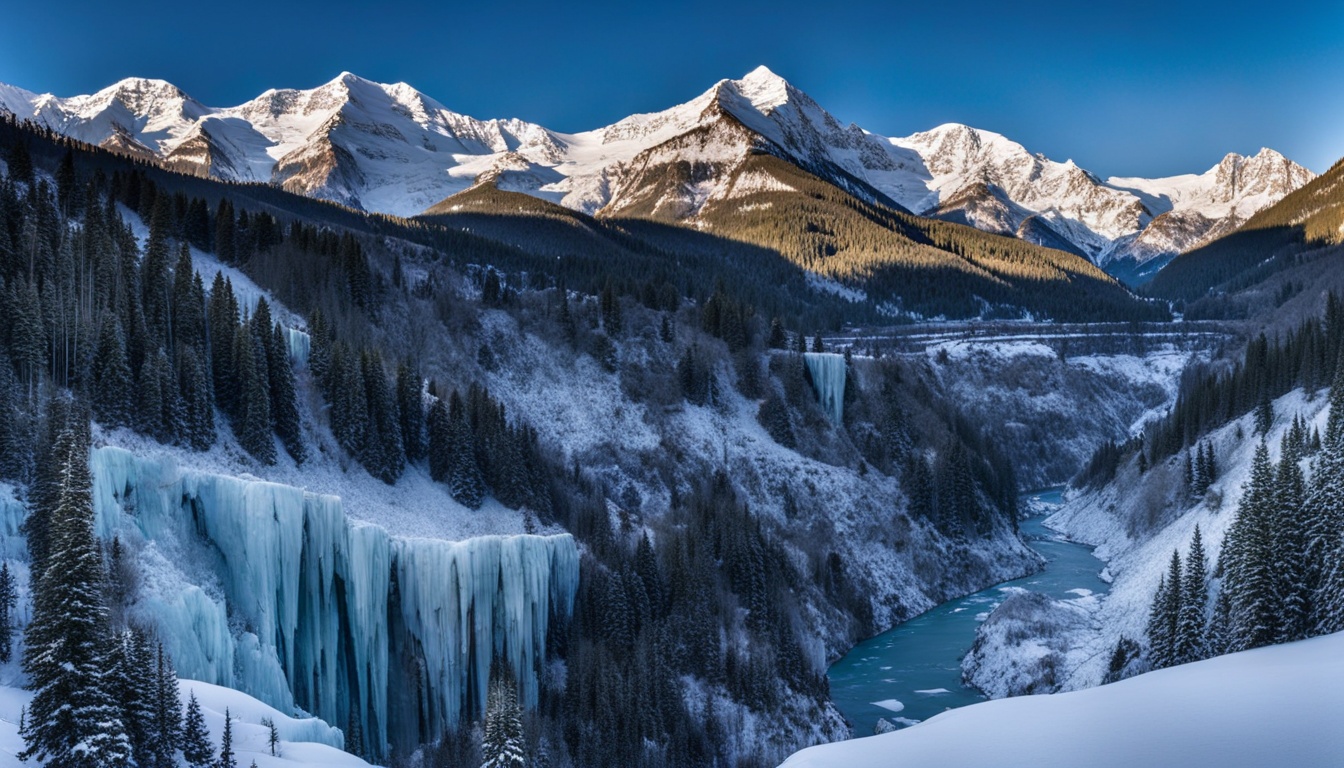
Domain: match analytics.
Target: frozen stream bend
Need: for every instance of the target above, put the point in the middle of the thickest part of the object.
(913, 671)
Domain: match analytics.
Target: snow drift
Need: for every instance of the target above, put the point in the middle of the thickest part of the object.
(1271, 706)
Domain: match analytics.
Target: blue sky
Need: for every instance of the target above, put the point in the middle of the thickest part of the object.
(1139, 87)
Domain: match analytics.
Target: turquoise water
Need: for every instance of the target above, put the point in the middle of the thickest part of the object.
(913, 671)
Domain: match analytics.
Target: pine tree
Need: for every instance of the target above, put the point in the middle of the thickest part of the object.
(196, 747)
(134, 686)
(411, 408)
(253, 424)
(1292, 589)
(1171, 610)
(465, 481)
(284, 398)
(440, 441)
(112, 383)
(1191, 631)
(1247, 560)
(198, 408)
(1323, 520)
(1159, 641)
(222, 326)
(73, 719)
(503, 745)
(226, 755)
(167, 734)
(9, 598)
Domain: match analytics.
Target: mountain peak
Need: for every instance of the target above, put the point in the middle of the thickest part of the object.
(763, 88)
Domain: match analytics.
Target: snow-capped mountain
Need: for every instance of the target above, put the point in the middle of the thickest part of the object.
(392, 149)
(990, 182)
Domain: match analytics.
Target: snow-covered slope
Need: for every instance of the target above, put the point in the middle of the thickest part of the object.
(1271, 706)
(392, 149)
(304, 742)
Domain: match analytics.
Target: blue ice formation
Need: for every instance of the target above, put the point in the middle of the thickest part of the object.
(300, 345)
(294, 603)
(828, 376)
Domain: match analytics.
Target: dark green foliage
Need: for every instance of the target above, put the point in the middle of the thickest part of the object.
(381, 450)
(66, 649)
(112, 383)
(252, 422)
(411, 409)
(196, 747)
(464, 472)
(1247, 560)
(227, 759)
(283, 396)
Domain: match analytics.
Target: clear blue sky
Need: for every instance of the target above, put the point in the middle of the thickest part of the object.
(1139, 87)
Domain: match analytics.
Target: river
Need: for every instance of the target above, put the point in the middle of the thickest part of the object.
(913, 671)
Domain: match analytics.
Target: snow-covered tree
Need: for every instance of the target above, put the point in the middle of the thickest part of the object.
(1247, 560)
(503, 745)
(227, 758)
(1190, 631)
(196, 746)
(74, 720)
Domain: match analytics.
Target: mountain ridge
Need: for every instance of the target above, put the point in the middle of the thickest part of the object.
(393, 149)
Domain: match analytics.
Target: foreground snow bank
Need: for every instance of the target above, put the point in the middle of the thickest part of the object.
(304, 742)
(1271, 706)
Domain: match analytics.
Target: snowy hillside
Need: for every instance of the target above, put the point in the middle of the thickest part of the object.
(1135, 522)
(1271, 706)
(392, 149)
(304, 742)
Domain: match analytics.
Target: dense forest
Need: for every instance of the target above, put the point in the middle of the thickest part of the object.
(693, 614)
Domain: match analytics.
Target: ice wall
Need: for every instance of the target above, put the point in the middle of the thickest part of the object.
(299, 346)
(292, 602)
(828, 376)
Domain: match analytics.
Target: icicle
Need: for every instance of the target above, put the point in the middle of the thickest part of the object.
(309, 592)
(299, 346)
(828, 374)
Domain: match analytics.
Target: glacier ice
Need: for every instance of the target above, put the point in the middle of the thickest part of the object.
(828, 375)
(320, 612)
(299, 346)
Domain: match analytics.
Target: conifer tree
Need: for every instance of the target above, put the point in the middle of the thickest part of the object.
(283, 396)
(134, 686)
(73, 719)
(253, 423)
(222, 326)
(227, 759)
(465, 481)
(411, 408)
(167, 733)
(440, 441)
(503, 745)
(196, 747)
(1247, 560)
(198, 408)
(1191, 631)
(112, 383)
(1292, 589)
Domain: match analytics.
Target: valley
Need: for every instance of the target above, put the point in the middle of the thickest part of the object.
(698, 439)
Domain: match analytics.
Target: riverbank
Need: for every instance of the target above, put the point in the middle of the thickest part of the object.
(914, 671)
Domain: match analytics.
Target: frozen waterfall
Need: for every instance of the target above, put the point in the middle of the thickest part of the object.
(279, 594)
(828, 376)
(299, 346)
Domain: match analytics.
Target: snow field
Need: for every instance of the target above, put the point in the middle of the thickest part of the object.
(1275, 706)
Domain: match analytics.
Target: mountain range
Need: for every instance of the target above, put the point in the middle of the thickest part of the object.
(392, 149)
